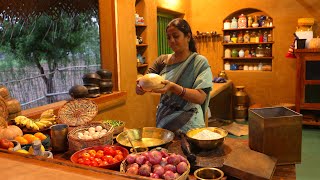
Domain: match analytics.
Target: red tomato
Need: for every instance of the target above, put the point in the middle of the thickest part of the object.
(87, 162)
(91, 158)
(85, 155)
(94, 163)
(112, 152)
(98, 160)
(99, 154)
(92, 152)
(119, 152)
(80, 160)
(104, 163)
(100, 151)
(119, 157)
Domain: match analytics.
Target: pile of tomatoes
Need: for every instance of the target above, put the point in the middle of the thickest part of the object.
(102, 157)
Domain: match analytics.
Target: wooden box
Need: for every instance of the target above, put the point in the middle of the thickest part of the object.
(277, 132)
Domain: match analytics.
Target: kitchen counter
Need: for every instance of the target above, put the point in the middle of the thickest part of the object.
(17, 166)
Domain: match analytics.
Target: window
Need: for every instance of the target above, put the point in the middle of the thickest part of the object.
(162, 21)
(47, 46)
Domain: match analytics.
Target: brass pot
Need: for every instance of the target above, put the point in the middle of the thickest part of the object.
(240, 96)
(208, 174)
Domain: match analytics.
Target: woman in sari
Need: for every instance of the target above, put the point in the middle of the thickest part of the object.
(188, 81)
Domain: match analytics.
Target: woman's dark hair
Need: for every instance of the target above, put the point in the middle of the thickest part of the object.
(185, 28)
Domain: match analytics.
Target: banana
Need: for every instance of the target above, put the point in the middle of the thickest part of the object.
(48, 119)
(24, 121)
(47, 114)
(35, 127)
(30, 124)
(41, 125)
(47, 123)
(18, 119)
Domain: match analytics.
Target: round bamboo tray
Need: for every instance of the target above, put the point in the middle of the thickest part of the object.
(77, 112)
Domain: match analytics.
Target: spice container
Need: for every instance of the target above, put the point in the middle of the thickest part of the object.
(227, 24)
(234, 23)
(227, 53)
(242, 21)
(227, 66)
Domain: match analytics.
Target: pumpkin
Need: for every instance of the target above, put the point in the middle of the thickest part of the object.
(314, 43)
(9, 131)
(151, 81)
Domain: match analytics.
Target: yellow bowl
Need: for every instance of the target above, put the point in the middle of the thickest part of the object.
(210, 143)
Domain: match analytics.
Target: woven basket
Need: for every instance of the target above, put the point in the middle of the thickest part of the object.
(77, 112)
(76, 144)
(184, 176)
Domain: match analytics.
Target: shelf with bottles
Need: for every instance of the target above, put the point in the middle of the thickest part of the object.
(248, 66)
(247, 43)
(248, 28)
(247, 58)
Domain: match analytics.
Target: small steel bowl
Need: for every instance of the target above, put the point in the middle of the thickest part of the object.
(208, 174)
(207, 144)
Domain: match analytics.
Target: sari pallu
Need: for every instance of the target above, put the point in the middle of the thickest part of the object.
(174, 113)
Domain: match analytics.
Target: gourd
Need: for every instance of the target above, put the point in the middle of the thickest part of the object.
(151, 81)
(314, 43)
(9, 131)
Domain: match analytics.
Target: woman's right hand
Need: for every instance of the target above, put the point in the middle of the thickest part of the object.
(139, 89)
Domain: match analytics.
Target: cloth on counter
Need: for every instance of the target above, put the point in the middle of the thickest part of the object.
(219, 80)
(237, 129)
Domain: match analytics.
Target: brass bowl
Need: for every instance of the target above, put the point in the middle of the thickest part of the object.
(208, 174)
(145, 137)
(207, 144)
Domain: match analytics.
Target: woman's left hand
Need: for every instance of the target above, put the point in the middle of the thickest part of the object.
(167, 87)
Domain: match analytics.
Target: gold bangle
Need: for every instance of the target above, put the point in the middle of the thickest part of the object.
(183, 92)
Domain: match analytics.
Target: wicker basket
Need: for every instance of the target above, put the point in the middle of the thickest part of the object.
(184, 176)
(76, 144)
(77, 112)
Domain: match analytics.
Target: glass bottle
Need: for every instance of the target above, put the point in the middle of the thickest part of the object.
(227, 53)
(249, 21)
(269, 37)
(253, 37)
(253, 52)
(240, 37)
(265, 36)
(268, 51)
(227, 66)
(234, 23)
(234, 38)
(260, 36)
(259, 51)
(246, 37)
(242, 21)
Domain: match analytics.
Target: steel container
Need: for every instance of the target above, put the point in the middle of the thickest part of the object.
(277, 132)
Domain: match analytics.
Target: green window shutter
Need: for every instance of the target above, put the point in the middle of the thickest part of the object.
(162, 21)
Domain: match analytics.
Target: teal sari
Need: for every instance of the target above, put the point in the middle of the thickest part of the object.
(175, 113)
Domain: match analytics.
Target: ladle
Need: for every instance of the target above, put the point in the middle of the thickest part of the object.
(135, 150)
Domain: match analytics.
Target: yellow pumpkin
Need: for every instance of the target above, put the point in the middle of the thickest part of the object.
(314, 43)
(9, 132)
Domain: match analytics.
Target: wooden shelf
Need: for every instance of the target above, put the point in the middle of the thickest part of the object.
(141, 45)
(247, 58)
(251, 43)
(141, 25)
(241, 29)
(142, 65)
(247, 71)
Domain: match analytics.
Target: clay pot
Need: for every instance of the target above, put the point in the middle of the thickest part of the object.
(91, 78)
(78, 91)
(104, 74)
(106, 86)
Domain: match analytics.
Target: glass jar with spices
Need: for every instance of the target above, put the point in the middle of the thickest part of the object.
(250, 21)
(234, 23)
(242, 21)
(240, 37)
(227, 24)
(253, 37)
(265, 36)
(246, 37)
(269, 37)
(227, 53)
(234, 38)
(268, 51)
(259, 51)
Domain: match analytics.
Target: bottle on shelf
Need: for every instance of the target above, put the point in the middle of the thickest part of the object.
(253, 37)
(234, 23)
(269, 37)
(240, 37)
(265, 37)
(246, 37)
(234, 38)
(227, 24)
(226, 37)
(267, 51)
(259, 51)
(241, 53)
(260, 36)
(234, 53)
(250, 21)
(227, 53)
(227, 66)
(242, 21)
(255, 23)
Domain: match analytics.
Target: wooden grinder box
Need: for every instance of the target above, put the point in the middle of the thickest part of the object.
(277, 132)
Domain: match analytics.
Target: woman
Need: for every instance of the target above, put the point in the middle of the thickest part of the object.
(188, 81)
